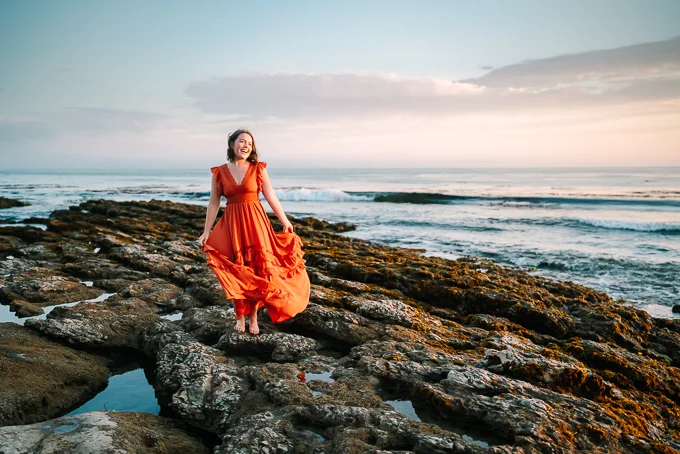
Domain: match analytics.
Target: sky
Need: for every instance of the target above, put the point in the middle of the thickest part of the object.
(371, 83)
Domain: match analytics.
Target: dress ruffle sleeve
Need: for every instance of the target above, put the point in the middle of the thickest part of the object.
(218, 176)
(260, 168)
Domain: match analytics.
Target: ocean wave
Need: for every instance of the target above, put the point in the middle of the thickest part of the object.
(196, 195)
(320, 195)
(301, 195)
(657, 227)
(438, 225)
(418, 198)
(137, 190)
(439, 198)
(577, 222)
(32, 186)
(546, 263)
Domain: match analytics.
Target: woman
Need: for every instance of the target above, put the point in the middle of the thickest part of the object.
(256, 266)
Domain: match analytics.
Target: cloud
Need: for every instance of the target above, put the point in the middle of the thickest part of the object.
(580, 108)
(649, 89)
(632, 74)
(609, 67)
(288, 94)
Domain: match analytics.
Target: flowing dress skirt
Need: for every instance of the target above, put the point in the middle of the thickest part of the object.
(255, 265)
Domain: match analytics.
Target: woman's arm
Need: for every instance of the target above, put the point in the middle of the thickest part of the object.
(270, 196)
(213, 209)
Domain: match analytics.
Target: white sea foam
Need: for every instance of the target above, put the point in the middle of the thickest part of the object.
(658, 310)
(526, 262)
(315, 195)
(630, 225)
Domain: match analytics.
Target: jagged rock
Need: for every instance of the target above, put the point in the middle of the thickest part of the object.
(40, 378)
(107, 238)
(482, 354)
(258, 433)
(101, 433)
(281, 346)
(154, 291)
(145, 258)
(10, 246)
(389, 311)
(201, 385)
(108, 324)
(389, 430)
(45, 287)
(6, 202)
(206, 289)
(96, 268)
(29, 234)
(628, 370)
(318, 224)
(317, 277)
(339, 324)
(24, 308)
(207, 324)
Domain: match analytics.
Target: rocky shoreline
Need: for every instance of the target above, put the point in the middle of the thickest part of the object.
(397, 352)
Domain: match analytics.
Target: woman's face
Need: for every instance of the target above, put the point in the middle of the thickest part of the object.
(243, 145)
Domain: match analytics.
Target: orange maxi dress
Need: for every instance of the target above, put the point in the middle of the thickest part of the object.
(253, 263)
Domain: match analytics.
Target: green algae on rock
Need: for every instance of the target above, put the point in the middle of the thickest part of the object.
(41, 379)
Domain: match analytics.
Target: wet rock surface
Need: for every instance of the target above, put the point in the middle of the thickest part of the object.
(43, 286)
(396, 352)
(101, 433)
(93, 325)
(40, 378)
(6, 202)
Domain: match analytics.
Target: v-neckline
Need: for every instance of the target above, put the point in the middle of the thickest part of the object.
(245, 175)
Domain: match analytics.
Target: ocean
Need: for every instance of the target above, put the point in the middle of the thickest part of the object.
(613, 229)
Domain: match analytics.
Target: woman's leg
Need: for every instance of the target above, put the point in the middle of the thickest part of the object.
(254, 306)
(241, 309)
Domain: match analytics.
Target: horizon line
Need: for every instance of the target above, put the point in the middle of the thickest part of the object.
(126, 169)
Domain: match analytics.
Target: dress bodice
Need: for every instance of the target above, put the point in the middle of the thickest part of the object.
(251, 183)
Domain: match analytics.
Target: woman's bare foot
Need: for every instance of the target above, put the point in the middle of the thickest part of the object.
(254, 329)
(240, 324)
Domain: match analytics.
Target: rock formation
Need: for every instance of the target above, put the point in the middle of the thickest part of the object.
(397, 352)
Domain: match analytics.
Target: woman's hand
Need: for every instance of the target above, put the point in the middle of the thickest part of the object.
(287, 226)
(203, 238)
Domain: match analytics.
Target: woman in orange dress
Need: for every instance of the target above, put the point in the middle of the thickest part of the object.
(256, 266)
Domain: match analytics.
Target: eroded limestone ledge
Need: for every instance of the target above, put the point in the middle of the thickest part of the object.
(100, 433)
(396, 351)
(40, 378)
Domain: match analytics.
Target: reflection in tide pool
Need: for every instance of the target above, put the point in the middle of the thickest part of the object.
(130, 391)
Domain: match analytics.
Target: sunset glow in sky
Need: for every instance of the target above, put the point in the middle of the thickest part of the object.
(159, 84)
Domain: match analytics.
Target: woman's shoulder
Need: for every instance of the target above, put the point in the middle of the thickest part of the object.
(217, 170)
(261, 164)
